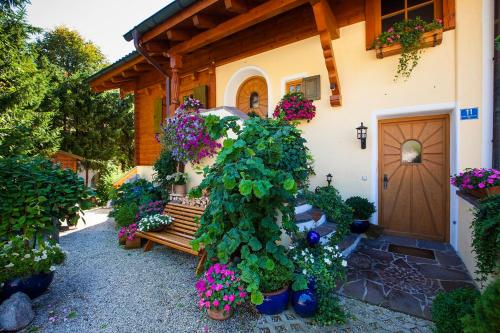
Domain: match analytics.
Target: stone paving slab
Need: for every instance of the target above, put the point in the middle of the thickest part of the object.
(402, 282)
(366, 318)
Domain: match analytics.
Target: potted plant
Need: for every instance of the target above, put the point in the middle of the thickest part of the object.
(26, 268)
(479, 182)
(154, 223)
(220, 291)
(274, 285)
(178, 180)
(362, 211)
(321, 266)
(408, 37)
(131, 241)
(294, 106)
(191, 104)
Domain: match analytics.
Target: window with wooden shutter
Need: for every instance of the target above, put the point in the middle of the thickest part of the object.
(293, 86)
(200, 93)
(380, 15)
(311, 87)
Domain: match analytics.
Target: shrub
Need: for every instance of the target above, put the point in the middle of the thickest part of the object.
(276, 278)
(139, 192)
(449, 307)
(125, 214)
(486, 236)
(18, 260)
(362, 208)
(486, 315)
(164, 166)
(249, 185)
(104, 186)
(328, 199)
(33, 190)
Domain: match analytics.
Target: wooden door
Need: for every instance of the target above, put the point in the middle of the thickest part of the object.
(413, 177)
(252, 96)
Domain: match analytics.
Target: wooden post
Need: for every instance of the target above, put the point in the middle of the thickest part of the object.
(211, 86)
(175, 65)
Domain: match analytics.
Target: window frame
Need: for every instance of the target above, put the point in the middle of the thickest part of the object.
(443, 9)
(294, 83)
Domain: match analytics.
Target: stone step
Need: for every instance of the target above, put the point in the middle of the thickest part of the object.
(310, 219)
(302, 208)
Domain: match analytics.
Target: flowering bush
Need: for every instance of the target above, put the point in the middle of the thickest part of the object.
(153, 222)
(220, 288)
(150, 208)
(128, 231)
(409, 34)
(471, 179)
(324, 266)
(294, 106)
(186, 136)
(18, 259)
(191, 103)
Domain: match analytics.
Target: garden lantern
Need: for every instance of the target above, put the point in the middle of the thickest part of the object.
(329, 178)
(361, 130)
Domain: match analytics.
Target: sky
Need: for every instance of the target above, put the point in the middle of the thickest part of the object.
(104, 22)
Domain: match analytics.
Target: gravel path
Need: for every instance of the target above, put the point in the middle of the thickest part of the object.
(104, 288)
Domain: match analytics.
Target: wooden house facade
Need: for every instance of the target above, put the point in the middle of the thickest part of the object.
(228, 52)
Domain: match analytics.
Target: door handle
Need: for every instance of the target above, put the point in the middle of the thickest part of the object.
(386, 181)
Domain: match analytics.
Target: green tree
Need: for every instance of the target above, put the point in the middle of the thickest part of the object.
(24, 129)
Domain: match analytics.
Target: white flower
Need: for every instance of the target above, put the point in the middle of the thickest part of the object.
(44, 256)
(304, 272)
(344, 263)
(328, 261)
(303, 253)
(9, 265)
(37, 259)
(27, 256)
(336, 247)
(312, 261)
(15, 254)
(52, 268)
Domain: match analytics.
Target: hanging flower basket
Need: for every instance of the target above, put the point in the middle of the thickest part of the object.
(429, 39)
(478, 182)
(294, 106)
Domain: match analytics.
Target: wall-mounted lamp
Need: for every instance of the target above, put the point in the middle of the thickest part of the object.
(361, 130)
(329, 178)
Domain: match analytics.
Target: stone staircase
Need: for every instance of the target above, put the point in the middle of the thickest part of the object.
(308, 218)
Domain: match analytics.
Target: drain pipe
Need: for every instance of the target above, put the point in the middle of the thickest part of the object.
(138, 46)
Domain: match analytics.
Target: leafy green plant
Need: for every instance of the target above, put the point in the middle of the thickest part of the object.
(486, 236)
(486, 315)
(139, 192)
(275, 279)
(328, 199)
(33, 191)
(250, 186)
(325, 266)
(362, 208)
(108, 174)
(409, 34)
(449, 307)
(19, 259)
(125, 214)
(177, 178)
(164, 166)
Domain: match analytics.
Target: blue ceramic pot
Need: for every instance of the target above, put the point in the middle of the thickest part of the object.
(305, 302)
(275, 302)
(313, 238)
(33, 285)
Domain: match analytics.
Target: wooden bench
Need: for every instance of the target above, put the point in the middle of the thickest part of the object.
(180, 233)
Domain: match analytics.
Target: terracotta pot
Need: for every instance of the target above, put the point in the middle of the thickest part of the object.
(180, 189)
(218, 314)
(133, 244)
(122, 240)
(484, 192)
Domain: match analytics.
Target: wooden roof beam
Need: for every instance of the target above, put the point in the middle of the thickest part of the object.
(177, 35)
(328, 30)
(236, 6)
(142, 67)
(129, 73)
(120, 80)
(255, 15)
(203, 22)
(156, 47)
(176, 19)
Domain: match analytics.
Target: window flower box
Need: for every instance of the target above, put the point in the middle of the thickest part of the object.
(429, 39)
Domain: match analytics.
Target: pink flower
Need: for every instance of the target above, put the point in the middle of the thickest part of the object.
(208, 293)
(231, 298)
(481, 185)
(243, 294)
(201, 286)
(225, 298)
(207, 304)
(215, 303)
(227, 308)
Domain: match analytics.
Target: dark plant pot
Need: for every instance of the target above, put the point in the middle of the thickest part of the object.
(359, 226)
(275, 302)
(33, 285)
(305, 302)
